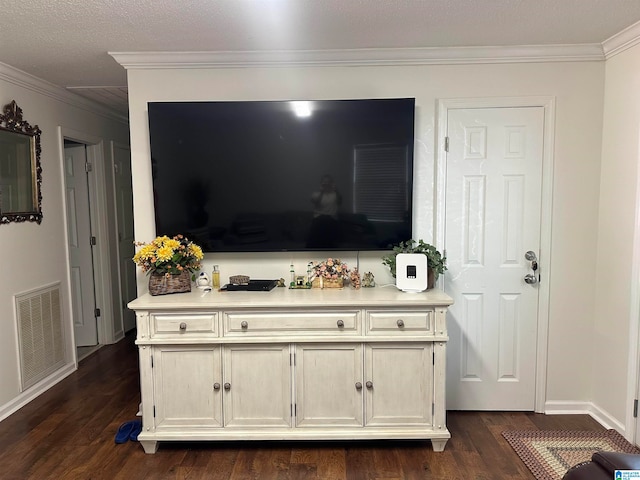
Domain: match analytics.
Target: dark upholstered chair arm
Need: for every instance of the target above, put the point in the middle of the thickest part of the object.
(603, 465)
(612, 461)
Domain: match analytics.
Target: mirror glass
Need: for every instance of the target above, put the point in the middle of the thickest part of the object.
(20, 172)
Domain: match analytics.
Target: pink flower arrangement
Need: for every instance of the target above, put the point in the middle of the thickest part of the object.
(331, 268)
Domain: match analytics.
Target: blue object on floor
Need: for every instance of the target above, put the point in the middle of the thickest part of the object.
(137, 428)
(124, 431)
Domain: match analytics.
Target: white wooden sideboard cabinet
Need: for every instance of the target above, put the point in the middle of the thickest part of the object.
(319, 364)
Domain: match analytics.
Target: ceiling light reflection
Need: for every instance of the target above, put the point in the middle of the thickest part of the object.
(301, 108)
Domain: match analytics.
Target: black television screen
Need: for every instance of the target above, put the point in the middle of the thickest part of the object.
(259, 176)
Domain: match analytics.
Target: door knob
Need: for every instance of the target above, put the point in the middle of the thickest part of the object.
(532, 278)
(531, 257)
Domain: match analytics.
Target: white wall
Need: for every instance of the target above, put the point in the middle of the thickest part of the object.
(578, 88)
(615, 315)
(35, 255)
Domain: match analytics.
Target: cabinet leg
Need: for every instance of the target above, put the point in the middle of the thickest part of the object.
(149, 446)
(438, 444)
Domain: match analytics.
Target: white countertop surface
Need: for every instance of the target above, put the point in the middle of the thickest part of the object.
(282, 296)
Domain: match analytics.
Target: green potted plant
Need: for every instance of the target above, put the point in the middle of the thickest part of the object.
(435, 260)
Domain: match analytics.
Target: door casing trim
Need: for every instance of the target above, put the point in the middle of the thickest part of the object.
(104, 294)
(632, 431)
(548, 104)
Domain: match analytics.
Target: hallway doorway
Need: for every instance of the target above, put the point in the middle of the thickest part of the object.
(80, 242)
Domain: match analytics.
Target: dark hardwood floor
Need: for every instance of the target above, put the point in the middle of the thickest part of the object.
(68, 433)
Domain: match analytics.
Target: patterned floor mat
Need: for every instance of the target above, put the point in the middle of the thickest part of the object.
(549, 454)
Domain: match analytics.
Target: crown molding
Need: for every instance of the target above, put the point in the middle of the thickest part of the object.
(360, 57)
(25, 80)
(621, 41)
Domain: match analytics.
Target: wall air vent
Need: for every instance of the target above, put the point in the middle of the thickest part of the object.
(40, 334)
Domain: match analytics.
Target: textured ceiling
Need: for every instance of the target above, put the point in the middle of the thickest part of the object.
(66, 41)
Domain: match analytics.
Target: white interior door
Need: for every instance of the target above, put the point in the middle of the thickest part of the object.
(493, 212)
(124, 213)
(80, 249)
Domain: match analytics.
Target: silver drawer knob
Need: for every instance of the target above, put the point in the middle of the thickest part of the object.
(400, 323)
(216, 386)
(244, 324)
(227, 386)
(183, 326)
(340, 323)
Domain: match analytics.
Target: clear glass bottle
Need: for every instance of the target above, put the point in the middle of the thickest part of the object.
(215, 277)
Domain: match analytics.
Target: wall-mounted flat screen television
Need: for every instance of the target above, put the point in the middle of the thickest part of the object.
(260, 176)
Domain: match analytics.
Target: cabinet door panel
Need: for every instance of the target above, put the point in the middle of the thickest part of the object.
(400, 391)
(184, 379)
(258, 378)
(326, 392)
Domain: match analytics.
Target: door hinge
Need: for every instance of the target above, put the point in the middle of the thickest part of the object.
(635, 408)
(93, 240)
(446, 144)
(294, 409)
(151, 361)
(433, 358)
(154, 411)
(292, 359)
(96, 312)
(88, 167)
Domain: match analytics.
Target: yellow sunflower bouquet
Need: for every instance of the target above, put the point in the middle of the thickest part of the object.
(168, 256)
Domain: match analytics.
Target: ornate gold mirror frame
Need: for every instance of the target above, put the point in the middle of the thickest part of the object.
(20, 170)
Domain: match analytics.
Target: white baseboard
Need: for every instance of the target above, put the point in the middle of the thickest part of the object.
(600, 415)
(35, 391)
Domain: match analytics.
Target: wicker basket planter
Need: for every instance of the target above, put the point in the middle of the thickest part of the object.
(163, 285)
(320, 282)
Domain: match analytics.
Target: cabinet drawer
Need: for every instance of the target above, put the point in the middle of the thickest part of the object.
(191, 324)
(399, 322)
(291, 323)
